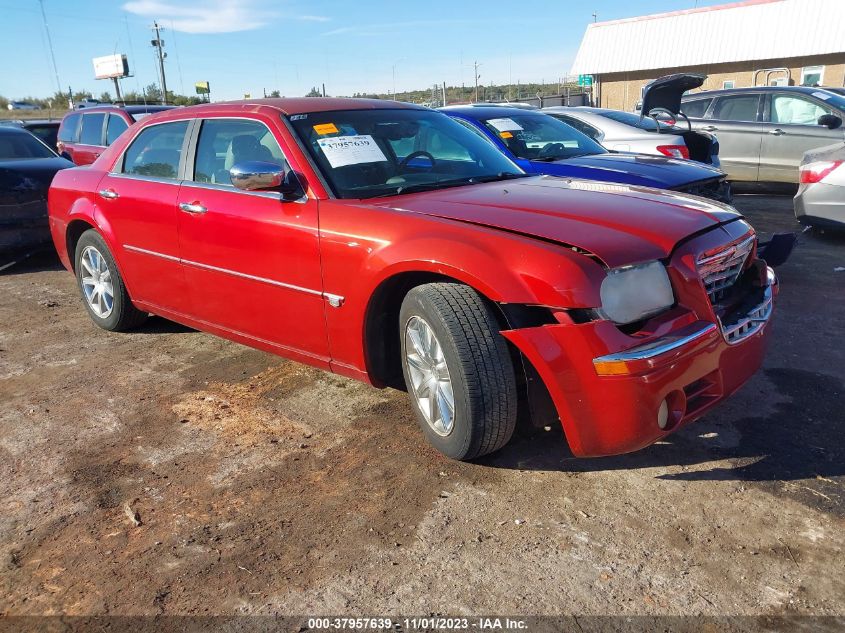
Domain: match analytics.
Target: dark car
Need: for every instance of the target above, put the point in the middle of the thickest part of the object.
(84, 134)
(764, 131)
(542, 144)
(27, 167)
(45, 129)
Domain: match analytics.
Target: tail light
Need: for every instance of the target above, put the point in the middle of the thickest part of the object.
(814, 172)
(675, 151)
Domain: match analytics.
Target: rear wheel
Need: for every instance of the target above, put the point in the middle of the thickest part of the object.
(457, 369)
(103, 292)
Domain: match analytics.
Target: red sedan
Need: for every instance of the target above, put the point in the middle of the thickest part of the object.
(389, 243)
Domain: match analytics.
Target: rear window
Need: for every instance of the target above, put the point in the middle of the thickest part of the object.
(92, 129)
(69, 128)
(22, 146)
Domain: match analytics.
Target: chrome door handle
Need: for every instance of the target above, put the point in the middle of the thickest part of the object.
(776, 132)
(108, 194)
(192, 207)
(709, 128)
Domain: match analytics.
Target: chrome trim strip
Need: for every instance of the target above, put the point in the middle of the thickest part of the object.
(661, 346)
(153, 253)
(334, 300)
(163, 181)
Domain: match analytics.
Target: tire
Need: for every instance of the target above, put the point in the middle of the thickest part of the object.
(478, 370)
(94, 263)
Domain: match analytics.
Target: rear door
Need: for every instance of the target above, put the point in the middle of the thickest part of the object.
(251, 258)
(735, 120)
(138, 200)
(91, 135)
(791, 128)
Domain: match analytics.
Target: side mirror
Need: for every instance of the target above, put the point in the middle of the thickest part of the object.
(830, 121)
(255, 175)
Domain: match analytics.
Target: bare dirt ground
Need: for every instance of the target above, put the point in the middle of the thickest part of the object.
(265, 487)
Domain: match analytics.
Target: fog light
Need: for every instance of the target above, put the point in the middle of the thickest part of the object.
(663, 415)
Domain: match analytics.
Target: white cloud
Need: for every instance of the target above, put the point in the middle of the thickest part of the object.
(212, 16)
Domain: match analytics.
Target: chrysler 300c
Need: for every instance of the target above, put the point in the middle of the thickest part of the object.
(389, 243)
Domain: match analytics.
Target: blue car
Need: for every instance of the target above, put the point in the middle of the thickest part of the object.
(542, 144)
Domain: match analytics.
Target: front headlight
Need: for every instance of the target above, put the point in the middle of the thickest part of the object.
(632, 293)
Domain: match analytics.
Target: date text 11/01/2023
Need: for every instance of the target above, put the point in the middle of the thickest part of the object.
(421, 623)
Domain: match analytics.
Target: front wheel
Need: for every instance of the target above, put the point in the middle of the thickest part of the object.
(457, 369)
(103, 291)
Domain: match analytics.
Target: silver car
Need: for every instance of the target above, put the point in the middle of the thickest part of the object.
(764, 131)
(627, 132)
(821, 193)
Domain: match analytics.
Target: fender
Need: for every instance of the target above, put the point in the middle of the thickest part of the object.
(365, 247)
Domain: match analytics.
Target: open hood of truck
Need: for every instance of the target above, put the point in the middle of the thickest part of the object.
(666, 92)
(619, 224)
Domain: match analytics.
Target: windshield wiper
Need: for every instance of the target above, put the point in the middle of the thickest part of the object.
(502, 175)
(445, 184)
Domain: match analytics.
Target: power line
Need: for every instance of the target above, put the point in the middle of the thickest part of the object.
(50, 44)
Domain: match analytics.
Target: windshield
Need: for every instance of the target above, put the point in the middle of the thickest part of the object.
(834, 99)
(20, 146)
(541, 137)
(384, 152)
(634, 120)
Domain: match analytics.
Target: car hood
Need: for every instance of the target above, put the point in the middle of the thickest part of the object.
(619, 224)
(666, 92)
(643, 169)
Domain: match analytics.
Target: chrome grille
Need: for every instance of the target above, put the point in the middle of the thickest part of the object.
(721, 270)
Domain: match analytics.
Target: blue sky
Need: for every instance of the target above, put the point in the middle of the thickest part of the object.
(245, 46)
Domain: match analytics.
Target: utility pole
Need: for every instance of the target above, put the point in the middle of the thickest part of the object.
(475, 66)
(159, 46)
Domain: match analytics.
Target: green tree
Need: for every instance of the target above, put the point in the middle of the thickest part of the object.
(275, 93)
(314, 92)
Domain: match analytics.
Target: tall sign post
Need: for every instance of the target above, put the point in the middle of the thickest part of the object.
(111, 67)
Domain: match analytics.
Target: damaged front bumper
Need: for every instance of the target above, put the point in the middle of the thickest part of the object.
(616, 393)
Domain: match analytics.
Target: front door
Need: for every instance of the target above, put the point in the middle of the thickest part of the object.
(734, 120)
(251, 258)
(90, 144)
(138, 201)
(791, 128)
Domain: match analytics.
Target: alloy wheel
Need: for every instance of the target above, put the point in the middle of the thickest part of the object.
(430, 379)
(96, 282)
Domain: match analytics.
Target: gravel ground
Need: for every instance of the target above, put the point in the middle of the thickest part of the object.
(171, 472)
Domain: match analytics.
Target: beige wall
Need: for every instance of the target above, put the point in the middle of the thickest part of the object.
(621, 91)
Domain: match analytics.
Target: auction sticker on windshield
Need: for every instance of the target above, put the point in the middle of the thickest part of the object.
(351, 150)
(505, 124)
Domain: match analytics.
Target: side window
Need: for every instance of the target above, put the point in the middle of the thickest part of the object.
(92, 128)
(156, 151)
(69, 128)
(116, 127)
(224, 143)
(736, 108)
(795, 110)
(696, 108)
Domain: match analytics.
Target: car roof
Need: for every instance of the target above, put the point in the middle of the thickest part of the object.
(13, 129)
(727, 91)
(286, 106)
(489, 112)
